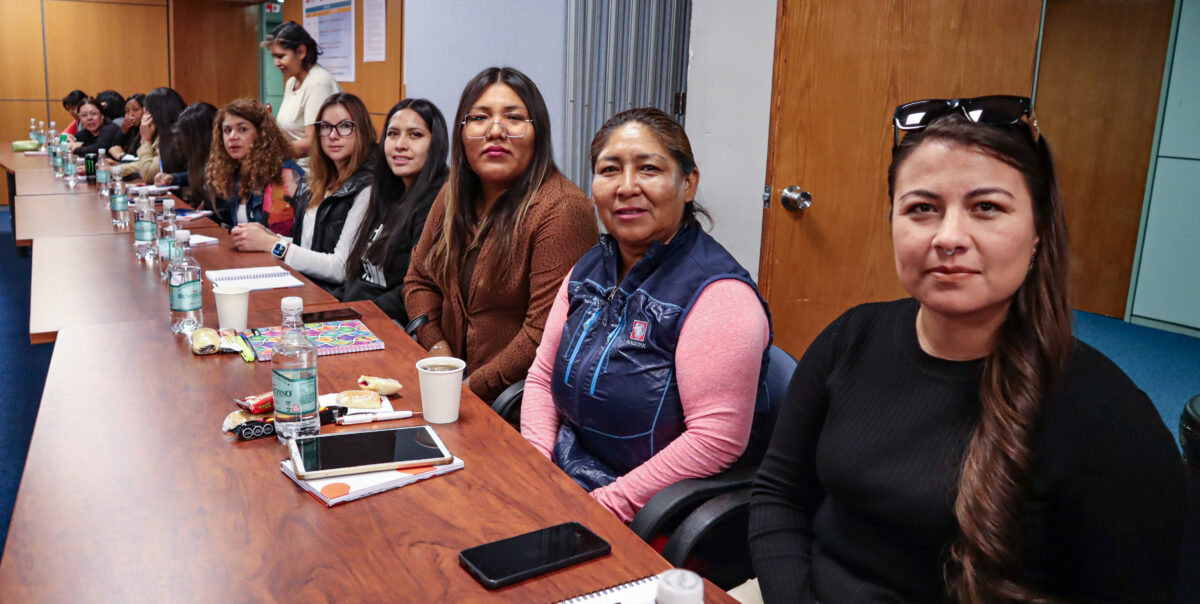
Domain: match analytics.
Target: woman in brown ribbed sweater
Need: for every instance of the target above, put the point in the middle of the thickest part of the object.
(486, 276)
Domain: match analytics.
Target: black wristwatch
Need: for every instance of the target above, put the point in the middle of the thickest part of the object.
(279, 249)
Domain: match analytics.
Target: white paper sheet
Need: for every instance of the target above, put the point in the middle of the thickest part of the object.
(374, 31)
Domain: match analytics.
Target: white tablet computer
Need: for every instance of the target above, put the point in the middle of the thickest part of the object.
(366, 451)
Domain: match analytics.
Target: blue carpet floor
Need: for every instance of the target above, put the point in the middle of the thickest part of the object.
(22, 372)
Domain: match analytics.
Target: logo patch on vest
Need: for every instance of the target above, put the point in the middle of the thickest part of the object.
(639, 331)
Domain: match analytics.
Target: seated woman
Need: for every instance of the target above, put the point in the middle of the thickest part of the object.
(95, 131)
(641, 379)
(500, 236)
(410, 168)
(158, 151)
(193, 136)
(71, 104)
(131, 127)
(249, 166)
(332, 200)
(112, 105)
(961, 445)
(306, 85)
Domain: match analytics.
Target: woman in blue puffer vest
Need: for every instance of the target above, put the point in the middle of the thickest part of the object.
(652, 365)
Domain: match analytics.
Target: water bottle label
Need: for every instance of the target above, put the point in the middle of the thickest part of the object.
(56, 161)
(119, 203)
(102, 177)
(295, 395)
(185, 296)
(164, 248)
(143, 230)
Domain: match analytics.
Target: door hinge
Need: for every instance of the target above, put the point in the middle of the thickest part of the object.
(766, 197)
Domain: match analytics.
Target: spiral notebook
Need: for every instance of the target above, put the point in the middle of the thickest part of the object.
(638, 591)
(256, 278)
(331, 337)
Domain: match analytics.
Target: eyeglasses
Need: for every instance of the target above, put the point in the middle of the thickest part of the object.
(994, 110)
(478, 125)
(344, 128)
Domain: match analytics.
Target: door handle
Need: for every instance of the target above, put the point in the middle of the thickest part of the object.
(794, 199)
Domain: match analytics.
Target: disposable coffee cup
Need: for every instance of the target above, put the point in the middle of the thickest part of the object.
(233, 301)
(679, 586)
(441, 388)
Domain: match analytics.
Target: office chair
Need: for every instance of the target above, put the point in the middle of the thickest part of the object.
(1188, 589)
(415, 324)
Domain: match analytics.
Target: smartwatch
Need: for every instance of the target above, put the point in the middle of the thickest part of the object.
(279, 249)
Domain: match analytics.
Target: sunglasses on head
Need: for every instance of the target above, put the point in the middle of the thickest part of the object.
(994, 110)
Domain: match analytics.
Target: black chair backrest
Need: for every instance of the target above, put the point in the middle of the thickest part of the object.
(779, 374)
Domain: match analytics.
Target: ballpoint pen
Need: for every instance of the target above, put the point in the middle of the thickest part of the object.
(367, 418)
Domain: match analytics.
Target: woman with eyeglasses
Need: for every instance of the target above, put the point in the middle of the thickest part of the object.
(961, 445)
(306, 85)
(332, 200)
(159, 150)
(95, 130)
(500, 236)
(250, 167)
(410, 169)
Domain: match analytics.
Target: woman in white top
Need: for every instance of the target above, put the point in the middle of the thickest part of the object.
(306, 84)
(331, 201)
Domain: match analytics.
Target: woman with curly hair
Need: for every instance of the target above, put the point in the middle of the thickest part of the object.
(331, 202)
(250, 168)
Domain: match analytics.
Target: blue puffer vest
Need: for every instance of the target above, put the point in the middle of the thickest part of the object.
(614, 372)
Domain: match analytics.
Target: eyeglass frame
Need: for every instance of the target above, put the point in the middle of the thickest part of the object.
(961, 104)
(338, 126)
(494, 123)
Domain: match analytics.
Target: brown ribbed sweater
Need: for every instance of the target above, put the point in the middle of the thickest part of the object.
(502, 327)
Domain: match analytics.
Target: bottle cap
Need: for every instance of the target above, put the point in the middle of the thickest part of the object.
(183, 235)
(168, 204)
(102, 151)
(62, 138)
(291, 304)
(679, 586)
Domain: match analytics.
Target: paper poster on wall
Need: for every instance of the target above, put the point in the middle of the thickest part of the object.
(331, 23)
(374, 31)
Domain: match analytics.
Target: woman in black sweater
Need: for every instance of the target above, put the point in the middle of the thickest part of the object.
(410, 168)
(95, 131)
(961, 445)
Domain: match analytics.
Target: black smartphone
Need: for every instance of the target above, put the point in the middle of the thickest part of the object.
(337, 314)
(507, 561)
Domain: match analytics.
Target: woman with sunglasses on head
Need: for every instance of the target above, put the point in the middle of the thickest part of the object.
(194, 130)
(131, 127)
(410, 169)
(95, 130)
(332, 200)
(306, 85)
(159, 150)
(961, 445)
(663, 386)
(500, 236)
(250, 168)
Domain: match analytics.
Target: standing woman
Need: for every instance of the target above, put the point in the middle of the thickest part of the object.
(961, 445)
(332, 200)
(500, 237)
(249, 166)
(131, 127)
(194, 133)
(410, 168)
(95, 131)
(159, 151)
(306, 85)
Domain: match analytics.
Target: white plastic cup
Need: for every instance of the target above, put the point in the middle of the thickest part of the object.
(679, 586)
(441, 390)
(233, 302)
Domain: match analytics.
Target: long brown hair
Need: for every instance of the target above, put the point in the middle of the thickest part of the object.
(463, 186)
(263, 165)
(324, 174)
(1032, 346)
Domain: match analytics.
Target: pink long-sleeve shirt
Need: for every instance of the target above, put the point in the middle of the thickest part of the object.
(717, 364)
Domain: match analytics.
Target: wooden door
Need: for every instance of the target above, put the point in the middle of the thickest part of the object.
(840, 70)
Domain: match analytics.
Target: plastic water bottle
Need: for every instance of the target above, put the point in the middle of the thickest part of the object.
(144, 229)
(60, 155)
(294, 376)
(71, 169)
(33, 129)
(51, 146)
(183, 279)
(118, 203)
(165, 239)
(41, 136)
(103, 172)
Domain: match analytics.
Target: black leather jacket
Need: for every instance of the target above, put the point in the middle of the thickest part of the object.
(331, 214)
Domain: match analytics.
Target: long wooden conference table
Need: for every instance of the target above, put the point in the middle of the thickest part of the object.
(131, 492)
